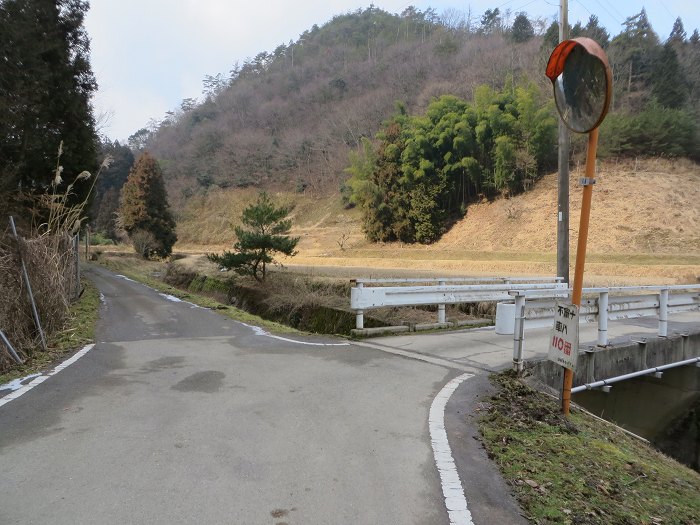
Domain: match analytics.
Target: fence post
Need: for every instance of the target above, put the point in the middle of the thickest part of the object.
(441, 308)
(663, 312)
(603, 308)
(519, 330)
(76, 255)
(35, 313)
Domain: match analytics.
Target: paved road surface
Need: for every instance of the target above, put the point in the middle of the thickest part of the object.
(179, 415)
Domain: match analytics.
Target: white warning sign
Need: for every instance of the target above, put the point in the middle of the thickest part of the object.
(563, 341)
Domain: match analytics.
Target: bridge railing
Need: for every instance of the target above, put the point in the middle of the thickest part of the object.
(437, 291)
(535, 300)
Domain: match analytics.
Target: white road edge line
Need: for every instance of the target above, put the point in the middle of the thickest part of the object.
(37, 381)
(452, 490)
(263, 332)
(256, 329)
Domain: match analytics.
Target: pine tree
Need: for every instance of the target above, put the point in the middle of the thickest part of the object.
(266, 234)
(597, 32)
(678, 34)
(669, 84)
(522, 29)
(144, 211)
(633, 55)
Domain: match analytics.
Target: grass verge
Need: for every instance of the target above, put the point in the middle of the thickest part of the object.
(147, 272)
(579, 470)
(79, 331)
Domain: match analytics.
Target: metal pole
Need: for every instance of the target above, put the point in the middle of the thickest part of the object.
(35, 313)
(518, 332)
(563, 187)
(603, 301)
(10, 348)
(441, 308)
(76, 255)
(581, 250)
(359, 314)
(632, 375)
(663, 313)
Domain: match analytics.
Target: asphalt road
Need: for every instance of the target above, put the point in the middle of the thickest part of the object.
(179, 415)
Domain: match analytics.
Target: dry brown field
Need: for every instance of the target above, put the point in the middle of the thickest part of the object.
(645, 229)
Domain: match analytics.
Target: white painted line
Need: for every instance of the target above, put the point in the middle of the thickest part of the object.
(256, 329)
(16, 384)
(175, 299)
(263, 332)
(171, 297)
(452, 490)
(41, 378)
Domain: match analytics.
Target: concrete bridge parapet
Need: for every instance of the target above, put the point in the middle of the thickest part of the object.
(599, 363)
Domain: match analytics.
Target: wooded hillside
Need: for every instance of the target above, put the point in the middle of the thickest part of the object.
(289, 119)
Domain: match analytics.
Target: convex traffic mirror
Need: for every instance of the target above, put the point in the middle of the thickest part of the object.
(582, 79)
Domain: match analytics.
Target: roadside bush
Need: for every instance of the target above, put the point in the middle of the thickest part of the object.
(144, 243)
(100, 239)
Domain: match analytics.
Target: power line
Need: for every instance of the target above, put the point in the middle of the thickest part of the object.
(612, 6)
(524, 6)
(615, 18)
(666, 8)
(581, 4)
(504, 4)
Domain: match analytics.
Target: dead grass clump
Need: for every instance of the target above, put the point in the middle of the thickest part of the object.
(50, 263)
(51, 260)
(287, 291)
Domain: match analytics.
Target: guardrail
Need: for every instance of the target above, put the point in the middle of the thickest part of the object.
(364, 298)
(603, 304)
(597, 305)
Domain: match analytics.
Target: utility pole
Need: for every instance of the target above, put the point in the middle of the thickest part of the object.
(563, 191)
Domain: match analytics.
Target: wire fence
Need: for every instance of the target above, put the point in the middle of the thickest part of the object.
(39, 279)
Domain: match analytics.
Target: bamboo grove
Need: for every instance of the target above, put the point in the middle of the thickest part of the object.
(424, 170)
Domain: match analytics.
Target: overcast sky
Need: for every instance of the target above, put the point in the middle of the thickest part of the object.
(149, 55)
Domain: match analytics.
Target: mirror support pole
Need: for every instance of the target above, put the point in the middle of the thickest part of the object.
(563, 186)
(581, 250)
(563, 204)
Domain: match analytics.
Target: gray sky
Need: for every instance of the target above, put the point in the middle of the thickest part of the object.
(149, 55)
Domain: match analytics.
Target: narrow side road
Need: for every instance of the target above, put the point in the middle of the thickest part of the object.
(179, 415)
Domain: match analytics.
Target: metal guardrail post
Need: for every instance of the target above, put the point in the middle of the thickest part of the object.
(603, 308)
(519, 330)
(359, 314)
(441, 307)
(360, 319)
(663, 312)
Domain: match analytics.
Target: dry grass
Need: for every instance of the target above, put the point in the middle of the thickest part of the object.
(47, 251)
(654, 209)
(50, 264)
(645, 229)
